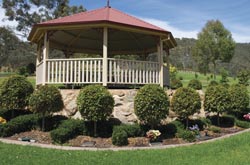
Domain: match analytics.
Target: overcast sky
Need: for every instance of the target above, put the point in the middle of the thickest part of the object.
(184, 18)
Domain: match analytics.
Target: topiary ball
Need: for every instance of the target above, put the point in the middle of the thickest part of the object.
(195, 84)
(46, 100)
(186, 102)
(15, 92)
(175, 84)
(151, 104)
(95, 103)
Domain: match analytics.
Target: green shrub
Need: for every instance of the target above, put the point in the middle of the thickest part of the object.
(119, 137)
(180, 78)
(214, 129)
(175, 84)
(67, 130)
(224, 76)
(217, 99)
(52, 122)
(7, 114)
(195, 84)
(242, 124)
(19, 124)
(187, 135)
(131, 130)
(45, 101)
(151, 104)
(186, 102)
(225, 120)
(243, 77)
(95, 103)
(14, 93)
(104, 127)
(213, 83)
(239, 99)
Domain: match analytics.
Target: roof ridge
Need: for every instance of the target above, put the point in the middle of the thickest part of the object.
(139, 19)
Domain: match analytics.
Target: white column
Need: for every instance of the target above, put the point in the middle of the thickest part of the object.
(105, 57)
(160, 60)
(45, 56)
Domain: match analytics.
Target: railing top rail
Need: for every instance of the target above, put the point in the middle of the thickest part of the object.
(74, 59)
(114, 59)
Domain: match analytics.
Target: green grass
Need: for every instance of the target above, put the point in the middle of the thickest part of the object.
(234, 150)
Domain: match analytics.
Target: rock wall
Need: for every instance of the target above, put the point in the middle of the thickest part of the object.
(124, 104)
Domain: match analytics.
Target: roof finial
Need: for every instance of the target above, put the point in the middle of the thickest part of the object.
(108, 3)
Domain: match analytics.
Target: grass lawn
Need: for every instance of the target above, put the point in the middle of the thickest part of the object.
(234, 150)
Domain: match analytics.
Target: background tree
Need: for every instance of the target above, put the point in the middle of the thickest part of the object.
(30, 12)
(214, 43)
(186, 102)
(45, 101)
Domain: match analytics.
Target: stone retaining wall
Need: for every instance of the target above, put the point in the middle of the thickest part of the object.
(124, 104)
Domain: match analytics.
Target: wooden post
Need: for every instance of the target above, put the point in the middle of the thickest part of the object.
(160, 60)
(45, 56)
(105, 57)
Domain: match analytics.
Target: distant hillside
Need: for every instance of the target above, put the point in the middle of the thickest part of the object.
(181, 57)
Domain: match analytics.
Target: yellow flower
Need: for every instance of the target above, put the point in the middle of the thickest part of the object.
(2, 120)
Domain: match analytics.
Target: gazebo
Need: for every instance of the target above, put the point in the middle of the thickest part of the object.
(106, 32)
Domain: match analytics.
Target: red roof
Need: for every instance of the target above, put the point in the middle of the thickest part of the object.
(106, 14)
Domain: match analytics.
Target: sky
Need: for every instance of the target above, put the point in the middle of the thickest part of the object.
(184, 18)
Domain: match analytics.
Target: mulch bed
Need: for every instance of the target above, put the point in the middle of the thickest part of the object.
(80, 141)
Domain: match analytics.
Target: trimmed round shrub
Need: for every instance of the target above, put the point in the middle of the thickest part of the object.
(131, 130)
(217, 99)
(195, 84)
(45, 101)
(175, 84)
(213, 83)
(186, 102)
(151, 104)
(119, 137)
(187, 135)
(239, 99)
(95, 103)
(242, 124)
(15, 92)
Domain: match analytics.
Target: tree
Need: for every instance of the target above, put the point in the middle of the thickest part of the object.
(14, 93)
(239, 99)
(186, 102)
(214, 43)
(30, 12)
(217, 99)
(151, 104)
(8, 43)
(95, 103)
(46, 100)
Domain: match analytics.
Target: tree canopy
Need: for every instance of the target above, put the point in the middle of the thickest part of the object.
(30, 12)
(215, 43)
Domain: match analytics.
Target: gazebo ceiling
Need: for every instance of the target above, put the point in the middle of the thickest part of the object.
(83, 32)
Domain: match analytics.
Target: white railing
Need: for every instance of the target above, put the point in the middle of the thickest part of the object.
(132, 72)
(39, 73)
(69, 71)
(90, 70)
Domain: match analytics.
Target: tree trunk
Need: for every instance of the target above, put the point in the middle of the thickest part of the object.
(218, 119)
(43, 121)
(187, 123)
(12, 113)
(95, 124)
(214, 70)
